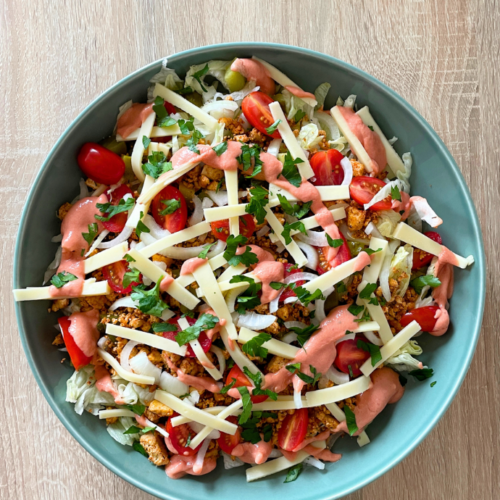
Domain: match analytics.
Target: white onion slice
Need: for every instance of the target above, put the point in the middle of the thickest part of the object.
(220, 357)
(294, 324)
(349, 237)
(197, 215)
(374, 339)
(196, 426)
(293, 278)
(172, 384)
(141, 364)
(158, 428)
(262, 231)
(384, 277)
(84, 191)
(100, 190)
(231, 462)
(200, 457)
(254, 321)
(125, 354)
(349, 336)
(320, 304)
(311, 254)
(101, 342)
(373, 230)
(123, 236)
(274, 147)
(315, 463)
(336, 376)
(347, 167)
(207, 203)
(97, 242)
(289, 338)
(314, 238)
(297, 399)
(220, 198)
(123, 302)
(231, 300)
(194, 397)
(181, 253)
(156, 230)
(51, 269)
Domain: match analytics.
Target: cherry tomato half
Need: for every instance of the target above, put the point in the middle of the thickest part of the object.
(114, 273)
(118, 221)
(343, 255)
(421, 258)
(293, 430)
(220, 228)
(228, 443)
(288, 272)
(169, 107)
(203, 339)
(100, 164)
(179, 437)
(242, 381)
(327, 168)
(78, 358)
(176, 220)
(424, 316)
(255, 107)
(349, 354)
(364, 188)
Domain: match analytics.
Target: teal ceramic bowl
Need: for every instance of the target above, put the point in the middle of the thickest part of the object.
(401, 427)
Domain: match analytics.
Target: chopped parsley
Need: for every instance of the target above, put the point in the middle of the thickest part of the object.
(59, 280)
(220, 148)
(138, 447)
(257, 380)
(247, 258)
(250, 299)
(162, 117)
(245, 159)
(373, 349)
(141, 227)
(186, 126)
(146, 141)
(133, 430)
(334, 243)
(369, 251)
(138, 408)
(422, 374)
(157, 164)
(254, 346)
(129, 258)
(304, 334)
(295, 210)
(350, 419)
(193, 141)
(341, 288)
(427, 280)
(199, 74)
(290, 171)
(250, 431)
(226, 388)
(170, 206)
(164, 327)
(257, 203)
(364, 317)
(395, 194)
(307, 379)
(270, 130)
(350, 371)
(149, 301)
(108, 210)
(247, 404)
(219, 184)
(367, 291)
(185, 90)
(370, 127)
(93, 230)
(293, 473)
(355, 309)
(203, 254)
(306, 297)
(433, 383)
(292, 368)
(132, 276)
(204, 322)
(294, 226)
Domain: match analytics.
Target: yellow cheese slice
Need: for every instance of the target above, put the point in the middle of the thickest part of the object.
(338, 392)
(231, 177)
(135, 216)
(118, 412)
(90, 288)
(105, 257)
(273, 466)
(274, 346)
(327, 193)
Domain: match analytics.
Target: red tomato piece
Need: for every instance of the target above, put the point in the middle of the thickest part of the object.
(343, 255)
(424, 316)
(169, 107)
(364, 188)
(228, 443)
(78, 358)
(179, 437)
(421, 258)
(161, 139)
(293, 430)
(327, 168)
(118, 221)
(349, 354)
(100, 164)
(255, 107)
(175, 221)
(288, 272)
(220, 228)
(205, 342)
(114, 273)
(242, 381)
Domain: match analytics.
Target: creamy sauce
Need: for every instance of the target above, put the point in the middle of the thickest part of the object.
(323, 436)
(191, 265)
(299, 92)
(199, 383)
(368, 138)
(76, 222)
(253, 453)
(403, 206)
(133, 118)
(83, 329)
(255, 71)
(179, 466)
(325, 454)
(386, 389)
(166, 282)
(206, 309)
(105, 384)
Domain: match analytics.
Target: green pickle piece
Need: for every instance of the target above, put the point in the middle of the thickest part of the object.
(355, 248)
(110, 143)
(235, 81)
(194, 98)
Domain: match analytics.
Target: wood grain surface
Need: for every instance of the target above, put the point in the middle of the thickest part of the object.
(442, 56)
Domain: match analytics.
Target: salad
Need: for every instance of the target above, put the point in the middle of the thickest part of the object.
(244, 273)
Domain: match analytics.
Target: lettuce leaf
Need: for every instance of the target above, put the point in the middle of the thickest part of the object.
(117, 429)
(217, 69)
(401, 268)
(402, 360)
(309, 136)
(388, 220)
(320, 94)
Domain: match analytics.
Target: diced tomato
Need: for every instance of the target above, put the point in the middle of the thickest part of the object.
(343, 255)
(421, 258)
(203, 339)
(364, 188)
(179, 437)
(169, 107)
(293, 430)
(100, 164)
(424, 316)
(228, 443)
(288, 272)
(242, 381)
(350, 355)
(114, 273)
(118, 221)
(220, 228)
(175, 221)
(78, 358)
(161, 139)
(327, 168)
(255, 107)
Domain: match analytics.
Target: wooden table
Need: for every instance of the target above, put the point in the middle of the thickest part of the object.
(441, 56)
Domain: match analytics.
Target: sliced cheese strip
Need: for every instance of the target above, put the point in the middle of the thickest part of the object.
(155, 132)
(363, 439)
(311, 222)
(234, 351)
(205, 278)
(391, 347)
(138, 151)
(214, 262)
(293, 249)
(153, 272)
(282, 403)
(333, 276)
(273, 466)
(122, 373)
(274, 346)
(290, 141)
(231, 177)
(170, 176)
(393, 160)
(225, 286)
(372, 272)
(227, 412)
(135, 216)
(118, 412)
(409, 235)
(149, 339)
(356, 146)
(283, 80)
(327, 193)
(176, 238)
(194, 413)
(90, 287)
(367, 326)
(179, 420)
(338, 392)
(231, 271)
(337, 412)
(377, 315)
(184, 104)
(221, 213)
(105, 257)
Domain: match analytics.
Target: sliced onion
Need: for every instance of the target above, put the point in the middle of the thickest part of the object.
(123, 302)
(373, 230)
(172, 384)
(347, 167)
(220, 198)
(336, 376)
(147, 239)
(97, 242)
(101, 343)
(314, 462)
(373, 338)
(275, 453)
(289, 338)
(274, 147)
(125, 354)
(254, 321)
(297, 399)
(84, 191)
(349, 237)
(262, 231)
(196, 426)
(166, 315)
(194, 397)
(311, 254)
(231, 300)
(295, 324)
(384, 278)
(141, 364)
(207, 203)
(158, 428)
(293, 278)
(52, 268)
(320, 304)
(314, 238)
(197, 215)
(156, 230)
(123, 236)
(100, 190)
(349, 336)
(231, 462)
(200, 457)
(181, 253)
(220, 357)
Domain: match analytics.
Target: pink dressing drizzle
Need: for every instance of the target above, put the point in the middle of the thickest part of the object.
(76, 222)
(253, 453)
(199, 383)
(83, 329)
(166, 282)
(255, 71)
(105, 384)
(179, 466)
(133, 118)
(191, 265)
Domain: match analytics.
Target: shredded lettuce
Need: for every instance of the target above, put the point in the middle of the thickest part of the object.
(239, 95)
(292, 104)
(350, 101)
(217, 69)
(116, 431)
(221, 108)
(327, 123)
(404, 175)
(132, 393)
(166, 76)
(401, 268)
(320, 94)
(309, 136)
(387, 222)
(402, 360)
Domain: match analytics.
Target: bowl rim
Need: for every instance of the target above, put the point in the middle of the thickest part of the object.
(479, 259)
